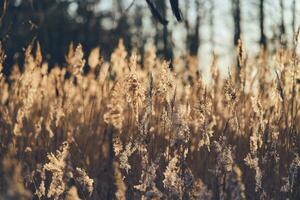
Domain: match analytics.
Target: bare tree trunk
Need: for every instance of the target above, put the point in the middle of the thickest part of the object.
(282, 25)
(294, 16)
(195, 43)
(187, 25)
(168, 50)
(165, 28)
(165, 41)
(236, 14)
(211, 25)
(193, 34)
(263, 38)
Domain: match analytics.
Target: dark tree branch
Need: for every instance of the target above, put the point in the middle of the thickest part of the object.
(156, 14)
(176, 10)
(131, 4)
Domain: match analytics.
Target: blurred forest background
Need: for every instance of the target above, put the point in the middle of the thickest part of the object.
(208, 26)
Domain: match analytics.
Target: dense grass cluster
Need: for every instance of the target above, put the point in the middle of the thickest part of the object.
(121, 130)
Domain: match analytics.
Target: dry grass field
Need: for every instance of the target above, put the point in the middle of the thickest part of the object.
(96, 129)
